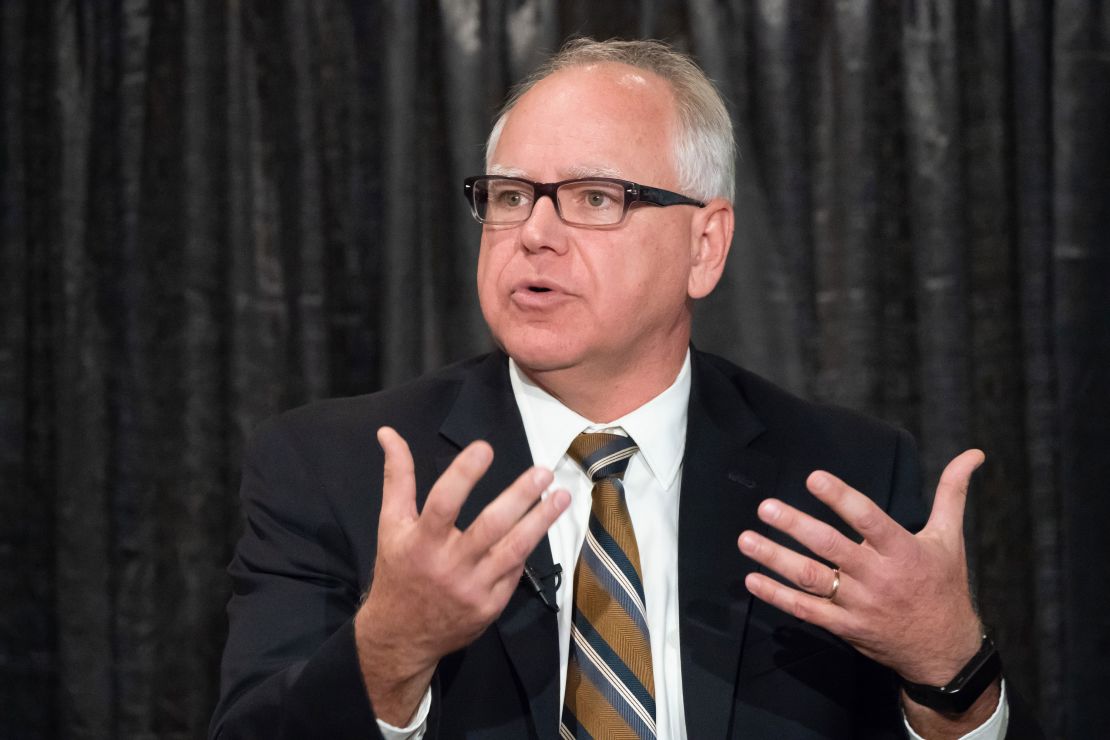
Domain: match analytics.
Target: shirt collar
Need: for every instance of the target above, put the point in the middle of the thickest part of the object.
(659, 426)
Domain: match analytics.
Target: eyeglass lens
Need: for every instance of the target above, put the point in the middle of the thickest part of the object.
(583, 202)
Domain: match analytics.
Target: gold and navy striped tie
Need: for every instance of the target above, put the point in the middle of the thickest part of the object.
(610, 690)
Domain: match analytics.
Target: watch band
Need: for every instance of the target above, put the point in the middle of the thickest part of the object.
(960, 693)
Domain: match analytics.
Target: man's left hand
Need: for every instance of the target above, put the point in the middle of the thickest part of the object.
(902, 599)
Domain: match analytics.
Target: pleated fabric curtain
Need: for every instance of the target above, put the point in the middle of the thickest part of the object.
(215, 210)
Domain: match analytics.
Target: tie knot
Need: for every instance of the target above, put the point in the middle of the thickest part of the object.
(602, 455)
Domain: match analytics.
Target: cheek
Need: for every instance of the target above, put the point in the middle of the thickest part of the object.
(494, 276)
(482, 272)
(490, 265)
(487, 284)
(662, 264)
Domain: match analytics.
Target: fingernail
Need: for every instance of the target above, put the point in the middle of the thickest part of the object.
(819, 482)
(770, 510)
(541, 477)
(747, 542)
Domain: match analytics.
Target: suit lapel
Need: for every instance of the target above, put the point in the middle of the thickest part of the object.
(723, 480)
(485, 409)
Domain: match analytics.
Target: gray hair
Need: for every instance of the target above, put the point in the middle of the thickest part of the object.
(704, 150)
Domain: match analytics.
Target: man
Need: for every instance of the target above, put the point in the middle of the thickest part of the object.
(413, 591)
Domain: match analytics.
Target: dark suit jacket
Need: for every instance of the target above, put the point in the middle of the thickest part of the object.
(311, 494)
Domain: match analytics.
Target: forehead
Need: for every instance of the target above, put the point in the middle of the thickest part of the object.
(601, 119)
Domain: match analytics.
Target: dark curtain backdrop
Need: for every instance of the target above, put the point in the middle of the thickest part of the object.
(215, 210)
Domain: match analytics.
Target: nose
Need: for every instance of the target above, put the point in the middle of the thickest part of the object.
(544, 229)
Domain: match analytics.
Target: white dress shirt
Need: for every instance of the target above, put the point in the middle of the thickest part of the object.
(652, 484)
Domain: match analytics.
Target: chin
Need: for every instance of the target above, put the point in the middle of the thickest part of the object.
(539, 351)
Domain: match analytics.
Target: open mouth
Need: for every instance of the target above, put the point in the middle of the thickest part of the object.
(538, 289)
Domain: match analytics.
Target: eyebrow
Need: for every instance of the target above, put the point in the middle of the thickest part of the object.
(595, 172)
(496, 169)
(575, 172)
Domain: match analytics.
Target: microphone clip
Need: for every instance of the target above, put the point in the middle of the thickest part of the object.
(537, 582)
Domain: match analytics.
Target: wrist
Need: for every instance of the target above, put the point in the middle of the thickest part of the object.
(936, 725)
(944, 665)
(395, 675)
(383, 639)
(957, 694)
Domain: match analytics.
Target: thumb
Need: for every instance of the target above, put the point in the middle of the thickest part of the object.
(951, 496)
(398, 479)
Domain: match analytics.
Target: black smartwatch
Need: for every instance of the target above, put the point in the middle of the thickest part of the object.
(960, 693)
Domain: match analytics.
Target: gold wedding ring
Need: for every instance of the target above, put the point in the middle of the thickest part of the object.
(835, 584)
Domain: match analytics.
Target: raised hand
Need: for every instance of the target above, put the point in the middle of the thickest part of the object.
(436, 588)
(901, 599)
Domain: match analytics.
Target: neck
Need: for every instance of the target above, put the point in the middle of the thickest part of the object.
(603, 394)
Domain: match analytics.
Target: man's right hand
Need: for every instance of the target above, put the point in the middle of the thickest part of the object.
(435, 588)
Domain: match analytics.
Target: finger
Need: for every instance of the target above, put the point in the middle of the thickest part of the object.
(951, 496)
(501, 514)
(860, 512)
(806, 573)
(821, 538)
(807, 607)
(507, 556)
(441, 509)
(398, 478)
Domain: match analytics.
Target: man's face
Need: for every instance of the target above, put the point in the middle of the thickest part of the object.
(558, 296)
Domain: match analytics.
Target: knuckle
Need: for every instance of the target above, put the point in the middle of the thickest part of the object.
(469, 595)
(868, 603)
(489, 527)
(828, 541)
(437, 507)
(466, 466)
(549, 511)
(871, 519)
(394, 466)
(471, 462)
(398, 465)
(480, 529)
(438, 573)
(762, 552)
(800, 608)
(809, 577)
(865, 632)
(487, 610)
(472, 600)
(788, 518)
(530, 484)
(515, 550)
(766, 552)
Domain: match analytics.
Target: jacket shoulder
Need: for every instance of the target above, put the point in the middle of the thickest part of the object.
(787, 417)
(413, 407)
(872, 456)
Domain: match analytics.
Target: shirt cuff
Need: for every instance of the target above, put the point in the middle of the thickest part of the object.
(993, 729)
(416, 726)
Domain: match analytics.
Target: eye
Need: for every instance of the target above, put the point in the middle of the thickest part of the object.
(597, 199)
(510, 198)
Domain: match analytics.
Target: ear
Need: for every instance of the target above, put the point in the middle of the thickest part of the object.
(710, 239)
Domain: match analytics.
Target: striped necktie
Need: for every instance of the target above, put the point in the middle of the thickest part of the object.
(610, 690)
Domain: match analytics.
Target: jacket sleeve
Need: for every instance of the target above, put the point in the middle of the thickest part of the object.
(290, 668)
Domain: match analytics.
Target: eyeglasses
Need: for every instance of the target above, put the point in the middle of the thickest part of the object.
(594, 202)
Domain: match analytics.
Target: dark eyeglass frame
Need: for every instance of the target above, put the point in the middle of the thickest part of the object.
(633, 193)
